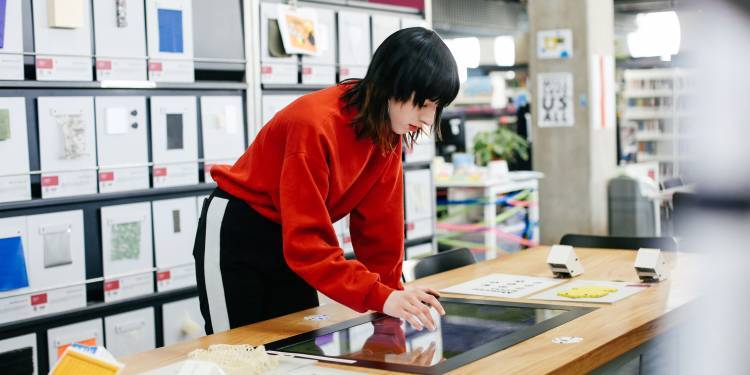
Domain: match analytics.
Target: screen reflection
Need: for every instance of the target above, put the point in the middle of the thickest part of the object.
(391, 340)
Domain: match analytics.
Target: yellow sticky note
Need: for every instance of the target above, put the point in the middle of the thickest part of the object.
(588, 291)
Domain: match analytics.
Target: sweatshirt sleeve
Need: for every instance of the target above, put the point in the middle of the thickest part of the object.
(310, 245)
(377, 225)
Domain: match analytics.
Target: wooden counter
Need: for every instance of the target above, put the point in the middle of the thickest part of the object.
(607, 333)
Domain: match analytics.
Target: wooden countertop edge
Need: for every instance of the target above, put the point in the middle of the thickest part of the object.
(632, 339)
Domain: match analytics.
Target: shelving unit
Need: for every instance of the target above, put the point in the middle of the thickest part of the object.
(654, 103)
(227, 66)
(219, 66)
(505, 214)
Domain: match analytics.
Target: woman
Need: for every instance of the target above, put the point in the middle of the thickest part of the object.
(265, 240)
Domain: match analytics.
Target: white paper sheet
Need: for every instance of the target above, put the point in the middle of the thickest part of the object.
(117, 120)
(503, 285)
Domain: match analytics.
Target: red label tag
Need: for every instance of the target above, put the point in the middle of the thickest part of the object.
(50, 181)
(266, 69)
(44, 63)
(154, 67)
(106, 176)
(111, 285)
(344, 71)
(409, 226)
(103, 65)
(164, 275)
(160, 172)
(306, 71)
(39, 299)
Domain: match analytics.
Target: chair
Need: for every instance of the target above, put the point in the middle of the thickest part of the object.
(443, 261)
(610, 242)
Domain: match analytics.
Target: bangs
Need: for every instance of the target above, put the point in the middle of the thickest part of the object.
(412, 64)
(430, 73)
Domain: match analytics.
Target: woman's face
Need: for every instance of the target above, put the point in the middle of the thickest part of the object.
(406, 117)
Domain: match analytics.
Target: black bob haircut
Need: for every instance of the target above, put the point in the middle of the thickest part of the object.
(411, 62)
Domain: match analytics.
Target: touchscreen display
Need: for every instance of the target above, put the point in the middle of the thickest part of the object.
(392, 340)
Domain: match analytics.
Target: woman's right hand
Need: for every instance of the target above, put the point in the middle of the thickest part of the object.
(413, 305)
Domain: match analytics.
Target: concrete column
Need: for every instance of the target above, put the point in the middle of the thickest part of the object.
(577, 161)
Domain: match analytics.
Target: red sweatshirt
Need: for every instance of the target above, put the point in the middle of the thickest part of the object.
(305, 170)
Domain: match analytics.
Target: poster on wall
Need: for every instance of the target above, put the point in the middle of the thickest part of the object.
(554, 44)
(602, 81)
(556, 102)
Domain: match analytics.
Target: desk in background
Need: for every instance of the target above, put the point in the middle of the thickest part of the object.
(490, 189)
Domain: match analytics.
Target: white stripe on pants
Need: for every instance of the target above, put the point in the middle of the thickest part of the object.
(217, 304)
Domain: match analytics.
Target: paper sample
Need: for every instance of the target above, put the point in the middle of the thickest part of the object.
(503, 285)
(56, 257)
(91, 341)
(2, 22)
(170, 30)
(126, 241)
(418, 194)
(354, 40)
(116, 120)
(592, 291)
(182, 320)
(17, 361)
(18, 355)
(275, 43)
(130, 332)
(174, 131)
(299, 30)
(121, 10)
(226, 120)
(56, 242)
(4, 123)
(65, 14)
(73, 130)
(382, 27)
(232, 120)
(13, 273)
(176, 221)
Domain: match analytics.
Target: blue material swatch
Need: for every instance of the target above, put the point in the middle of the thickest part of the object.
(2, 22)
(170, 30)
(12, 264)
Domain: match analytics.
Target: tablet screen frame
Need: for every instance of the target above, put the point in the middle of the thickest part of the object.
(472, 355)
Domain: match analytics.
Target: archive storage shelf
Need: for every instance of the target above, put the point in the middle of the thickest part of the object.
(90, 206)
(655, 105)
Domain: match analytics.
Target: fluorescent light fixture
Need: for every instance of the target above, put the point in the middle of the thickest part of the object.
(466, 53)
(505, 50)
(658, 34)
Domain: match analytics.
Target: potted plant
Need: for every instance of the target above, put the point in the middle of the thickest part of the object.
(500, 144)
